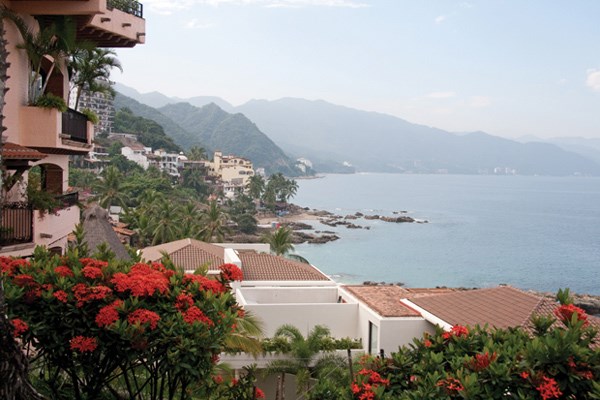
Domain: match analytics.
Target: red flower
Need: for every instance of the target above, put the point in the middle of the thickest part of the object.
(184, 301)
(141, 280)
(355, 388)
(61, 296)
(259, 394)
(108, 315)
(565, 314)
(91, 262)
(452, 386)
(194, 314)
(548, 389)
(84, 293)
(83, 344)
(205, 283)
(63, 271)
(218, 379)
(241, 313)
(480, 362)
(231, 272)
(456, 331)
(20, 327)
(427, 343)
(524, 374)
(92, 272)
(142, 316)
(23, 280)
(10, 266)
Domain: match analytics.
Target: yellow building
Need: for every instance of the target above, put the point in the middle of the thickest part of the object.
(234, 172)
(46, 137)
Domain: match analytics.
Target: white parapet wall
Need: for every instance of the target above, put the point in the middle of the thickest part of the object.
(302, 307)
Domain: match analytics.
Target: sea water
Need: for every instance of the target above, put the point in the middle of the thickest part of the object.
(540, 233)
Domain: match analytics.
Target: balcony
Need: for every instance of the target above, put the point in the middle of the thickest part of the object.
(51, 131)
(107, 23)
(23, 228)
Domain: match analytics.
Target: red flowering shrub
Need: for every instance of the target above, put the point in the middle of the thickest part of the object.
(194, 314)
(83, 344)
(451, 386)
(566, 311)
(118, 321)
(63, 271)
(20, 327)
(141, 280)
(142, 316)
(231, 272)
(457, 331)
(92, 272)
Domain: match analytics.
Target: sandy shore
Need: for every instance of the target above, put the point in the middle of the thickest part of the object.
(264, 220)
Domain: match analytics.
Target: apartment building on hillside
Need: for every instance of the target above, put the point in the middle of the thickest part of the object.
(44, 138)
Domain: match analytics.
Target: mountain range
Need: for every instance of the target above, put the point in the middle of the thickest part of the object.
(214, 129)
(334, 136)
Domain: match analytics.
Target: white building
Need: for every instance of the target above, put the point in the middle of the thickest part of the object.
(137, 153)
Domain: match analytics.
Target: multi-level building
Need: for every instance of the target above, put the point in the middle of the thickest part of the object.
(102, 105)
(233, 172)
(45, 137)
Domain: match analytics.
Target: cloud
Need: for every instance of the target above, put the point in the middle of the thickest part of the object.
(562, 81)
(441, 95)
(195, 24)
(593, 79)
(440, 18)
(480, 101)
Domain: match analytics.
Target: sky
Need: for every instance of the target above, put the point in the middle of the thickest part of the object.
(510, 68)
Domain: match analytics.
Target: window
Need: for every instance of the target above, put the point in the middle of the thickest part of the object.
(373, 338)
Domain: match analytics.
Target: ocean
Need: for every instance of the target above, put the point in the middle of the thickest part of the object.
(540, 233)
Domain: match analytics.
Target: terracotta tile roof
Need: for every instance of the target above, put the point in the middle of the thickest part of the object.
(123, 231)
(384, 300)
(14, 151)
(267, 267)
(188, 254)
(499, 307)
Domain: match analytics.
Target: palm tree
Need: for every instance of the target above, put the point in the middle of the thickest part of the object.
(166, 223)
(245, 337)
(256, 186)
(110, 189)
(280, 241)
(214, 220)
(197, 153)
(91, 69)
(189, 217)
(302, 355)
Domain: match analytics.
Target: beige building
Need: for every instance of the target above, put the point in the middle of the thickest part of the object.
(46, 137)
(234, 172)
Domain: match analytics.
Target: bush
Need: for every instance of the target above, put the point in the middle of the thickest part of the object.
(49, 100)
(91, 116)
(99, 328)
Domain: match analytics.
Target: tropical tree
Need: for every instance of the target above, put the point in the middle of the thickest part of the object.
(302, 354)
(256, 186)
(92, 69)
(196, 153)
(280, 241)
(194, 179)
(166, 222)
(214, 221)
(110, 189)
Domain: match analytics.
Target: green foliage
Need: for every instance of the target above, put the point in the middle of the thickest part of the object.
(485, 363)
(91, 116)
(38, 198)
(280, 241)
(102, 328)
(49, 100)
(149, 132)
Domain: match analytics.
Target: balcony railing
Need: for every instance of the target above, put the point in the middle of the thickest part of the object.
(75, 124)
(68, 200)
(129, 6)
(17, 224)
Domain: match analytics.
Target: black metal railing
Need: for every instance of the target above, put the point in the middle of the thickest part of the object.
(68, 199)
(74, 124)
(17, 224)
(129, 6)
